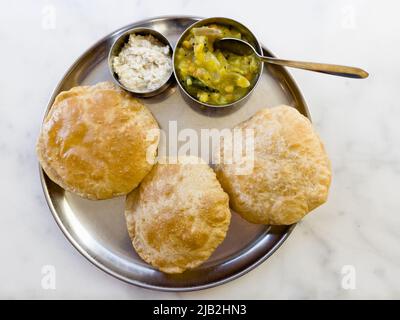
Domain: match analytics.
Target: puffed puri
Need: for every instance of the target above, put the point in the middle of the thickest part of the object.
(98, 141)
(178, 215)
(290, 173)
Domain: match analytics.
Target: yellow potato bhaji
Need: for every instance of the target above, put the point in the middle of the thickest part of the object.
(214, 76)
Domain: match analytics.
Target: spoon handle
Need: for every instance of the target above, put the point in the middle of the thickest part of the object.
(333, 69)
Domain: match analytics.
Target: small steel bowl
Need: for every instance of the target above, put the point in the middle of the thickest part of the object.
(116, 49)
(247, 35)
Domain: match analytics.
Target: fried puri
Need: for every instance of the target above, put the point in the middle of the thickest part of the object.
(97, 141)
(178, 215)
(291, 171)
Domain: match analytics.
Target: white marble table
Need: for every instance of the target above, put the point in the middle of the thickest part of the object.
(357, 230)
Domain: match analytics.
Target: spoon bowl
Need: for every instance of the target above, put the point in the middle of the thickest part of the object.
(246, 34)
(241, 47)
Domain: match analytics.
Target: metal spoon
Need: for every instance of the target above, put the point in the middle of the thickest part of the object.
(241, 47)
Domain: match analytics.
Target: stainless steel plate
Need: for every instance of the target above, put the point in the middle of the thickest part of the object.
(97, 228)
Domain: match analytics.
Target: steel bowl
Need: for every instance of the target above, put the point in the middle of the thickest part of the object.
(116, 49)
(247, 35)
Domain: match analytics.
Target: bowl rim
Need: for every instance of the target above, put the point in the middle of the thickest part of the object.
(258, 48)
(159, 36)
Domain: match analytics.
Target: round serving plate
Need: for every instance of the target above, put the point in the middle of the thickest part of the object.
(97, 228)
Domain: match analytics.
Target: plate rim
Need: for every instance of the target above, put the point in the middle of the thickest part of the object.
(102, 266)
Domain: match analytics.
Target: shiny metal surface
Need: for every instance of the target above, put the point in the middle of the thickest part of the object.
(116, 48)
(97, 228)
(246, 33)
(242, 47)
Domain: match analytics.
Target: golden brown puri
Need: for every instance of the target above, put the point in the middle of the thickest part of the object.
(94, 142)
(291, 173)
(178, 215)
